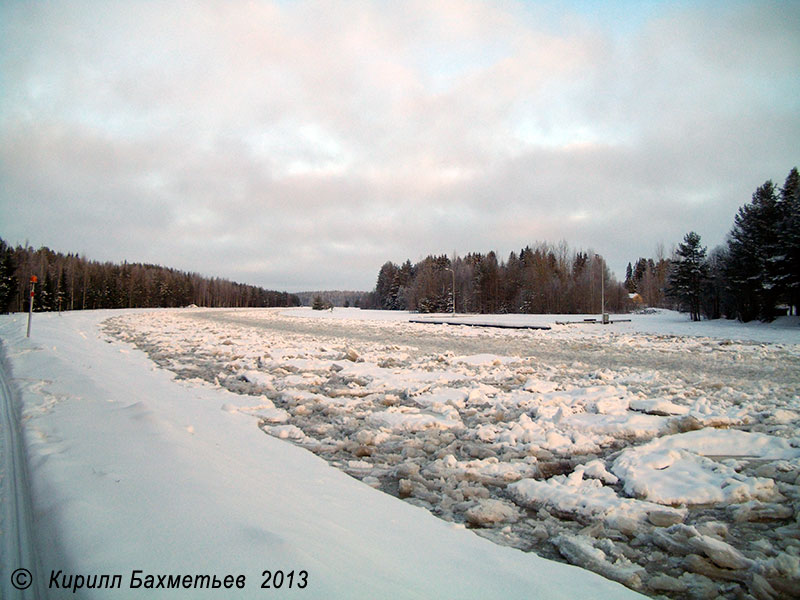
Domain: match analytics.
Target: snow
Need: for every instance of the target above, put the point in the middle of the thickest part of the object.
(131, 468)
(585, 498)
(411, 419)
(489, 511)
(232, 441)
(675, 469)
(658, 406)
(783, 330)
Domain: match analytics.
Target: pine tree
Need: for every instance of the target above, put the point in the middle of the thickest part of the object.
(688, 275)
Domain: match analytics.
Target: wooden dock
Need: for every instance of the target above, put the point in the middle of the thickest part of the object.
(478, 324)
(593, 322)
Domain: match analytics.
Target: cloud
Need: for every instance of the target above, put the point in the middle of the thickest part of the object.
(301, 145)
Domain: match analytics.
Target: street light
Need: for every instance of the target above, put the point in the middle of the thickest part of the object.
(603, 314)
(454, 288)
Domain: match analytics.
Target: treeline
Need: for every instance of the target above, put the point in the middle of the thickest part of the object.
(71, 282)
(333, 297)
(756, 273)
(540, 279)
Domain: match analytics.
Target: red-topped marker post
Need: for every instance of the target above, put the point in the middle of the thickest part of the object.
(34, 279)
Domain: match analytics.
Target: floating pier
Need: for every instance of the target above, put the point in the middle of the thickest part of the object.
(593, 322)
(477, 324)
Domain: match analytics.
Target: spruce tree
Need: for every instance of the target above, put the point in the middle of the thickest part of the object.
(630, 284)
(383, 288)
(688, 275)
(754, 255)
(8, 279)
(789, 237)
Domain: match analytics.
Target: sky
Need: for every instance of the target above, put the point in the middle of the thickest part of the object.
(300, 145)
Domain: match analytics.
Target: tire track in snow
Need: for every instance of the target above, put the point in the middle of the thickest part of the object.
(17, 531)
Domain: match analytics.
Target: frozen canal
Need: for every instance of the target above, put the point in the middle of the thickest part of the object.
(647, 452)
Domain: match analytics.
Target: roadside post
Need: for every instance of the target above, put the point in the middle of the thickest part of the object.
(34, 279)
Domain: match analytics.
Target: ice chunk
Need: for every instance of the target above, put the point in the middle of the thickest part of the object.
(783, 417)
(664, 518)
(675, 470)
(488, 470)
(286, 432)
(584, 497)
(758, 511)
(490, 512)
(580, 551)
(658, 406)
(449, 396)
(267, 411)
(539, 386)
(721, 553)
(484, 359)
(681, 477)
(597, 470)
(666, 583)
(403, 418)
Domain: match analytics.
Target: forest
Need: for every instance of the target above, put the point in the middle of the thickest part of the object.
(71, 282)
(539, 279)
(754, 275)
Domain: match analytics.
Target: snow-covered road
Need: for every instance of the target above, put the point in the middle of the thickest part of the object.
(134, 473)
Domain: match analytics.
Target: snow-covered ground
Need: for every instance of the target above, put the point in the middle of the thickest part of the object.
(659, 453)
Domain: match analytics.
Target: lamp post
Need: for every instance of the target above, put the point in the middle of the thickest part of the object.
(603, 294)
(603, 314)
(454, 288)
